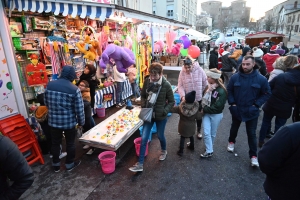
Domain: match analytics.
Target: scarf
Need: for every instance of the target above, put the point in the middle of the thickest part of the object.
(206, 99)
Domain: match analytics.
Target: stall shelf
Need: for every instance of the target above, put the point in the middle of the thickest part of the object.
(105, 134)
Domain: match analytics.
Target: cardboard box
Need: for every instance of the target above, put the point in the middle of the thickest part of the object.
(174, 60)
(167, 64)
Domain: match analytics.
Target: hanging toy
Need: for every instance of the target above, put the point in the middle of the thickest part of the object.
(36, 73)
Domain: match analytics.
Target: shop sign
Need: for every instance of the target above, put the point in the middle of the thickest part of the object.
(8, 104)
(98, 1)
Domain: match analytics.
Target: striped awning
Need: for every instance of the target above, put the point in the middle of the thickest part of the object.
(71, 8)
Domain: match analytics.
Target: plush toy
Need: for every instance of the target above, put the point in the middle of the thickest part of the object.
(90, 48)
(122, 56)
(176, 49)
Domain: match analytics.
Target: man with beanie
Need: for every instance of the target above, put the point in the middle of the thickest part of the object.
(247, 90)
(257, 54)
(188, 111)
(270, 58)
(65, 109)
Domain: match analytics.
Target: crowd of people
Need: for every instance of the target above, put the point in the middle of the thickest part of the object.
(250, 80)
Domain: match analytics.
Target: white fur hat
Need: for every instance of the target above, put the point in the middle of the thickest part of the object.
(258, 53)
(213, 75)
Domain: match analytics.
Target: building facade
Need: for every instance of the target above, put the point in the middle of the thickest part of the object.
(140, 5)
(236, 15)
(180, 10)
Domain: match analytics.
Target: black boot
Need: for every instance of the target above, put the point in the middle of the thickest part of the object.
(180, 152)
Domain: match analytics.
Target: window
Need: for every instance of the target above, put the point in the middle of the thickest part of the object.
(296, 28)
(154, 10)
(293, 18)
(295, 4)
(289, 19)
(292, 28)
(153, 1)
(298, 18)
(170, 9)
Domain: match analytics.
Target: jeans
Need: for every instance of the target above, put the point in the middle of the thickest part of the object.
(119, 90)
(266, 125)
(135, 90)
(227, 76)
(70, 135)
(251, 133)
(182, 139)
(160, 125)
(210, 127)
(93, 124)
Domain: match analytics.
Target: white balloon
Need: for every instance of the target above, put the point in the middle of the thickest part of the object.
(221, 39)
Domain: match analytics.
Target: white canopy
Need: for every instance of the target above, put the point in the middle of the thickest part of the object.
(194, 35)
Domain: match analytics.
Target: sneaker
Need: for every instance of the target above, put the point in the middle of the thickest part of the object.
(180, 153)
(254, 161)
(50, 156)
(86, 147)
(76, 163)
(137, 167)
(56, 168)
(199, 135)
(163, 155)
(189, 146)
(230, 147)
(90, 152)
(62, 155)
(206, 155)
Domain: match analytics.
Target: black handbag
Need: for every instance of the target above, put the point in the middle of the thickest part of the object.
(146, 114)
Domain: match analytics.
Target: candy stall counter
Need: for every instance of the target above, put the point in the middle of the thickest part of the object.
(113, 131)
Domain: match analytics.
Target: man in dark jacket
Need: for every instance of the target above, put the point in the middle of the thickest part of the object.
(13, 166)
(213, 58)
(247, 90)
(279, 160)
(228, 65)
(65, 109)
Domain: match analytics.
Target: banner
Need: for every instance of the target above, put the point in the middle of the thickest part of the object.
(8, 104)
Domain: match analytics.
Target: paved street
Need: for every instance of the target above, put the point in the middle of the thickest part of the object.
(224, 176)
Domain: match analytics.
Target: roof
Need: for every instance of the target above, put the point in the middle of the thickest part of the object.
(292, 11)
(264, 34)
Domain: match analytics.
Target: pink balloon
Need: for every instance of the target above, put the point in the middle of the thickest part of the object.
(194, 51)
(157, 48)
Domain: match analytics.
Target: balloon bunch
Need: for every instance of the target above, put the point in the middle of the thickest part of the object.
(188, 48)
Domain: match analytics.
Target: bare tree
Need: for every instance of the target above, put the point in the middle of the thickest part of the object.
(269, 23)
(201, 23)
(223, 24)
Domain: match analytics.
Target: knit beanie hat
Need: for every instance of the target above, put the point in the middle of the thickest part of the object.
(213, 74)
(257, 52)
(273, 48)
(190, 97)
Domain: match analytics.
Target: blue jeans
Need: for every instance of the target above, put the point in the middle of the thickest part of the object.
(135, 90)
(210, 124)
(266, 125)
(251, 133)
(119, 90)
(160, 124)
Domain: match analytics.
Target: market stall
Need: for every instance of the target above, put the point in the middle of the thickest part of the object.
(255, 39)
(113, 131)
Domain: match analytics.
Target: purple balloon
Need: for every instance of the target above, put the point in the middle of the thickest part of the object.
(186, 41)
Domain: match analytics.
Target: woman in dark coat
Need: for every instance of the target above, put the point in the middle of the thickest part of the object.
(281, 102)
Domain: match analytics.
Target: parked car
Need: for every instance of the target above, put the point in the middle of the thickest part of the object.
(229, 33)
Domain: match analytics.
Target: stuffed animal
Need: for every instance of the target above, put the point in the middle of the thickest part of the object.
(90, 48)
(122, 56)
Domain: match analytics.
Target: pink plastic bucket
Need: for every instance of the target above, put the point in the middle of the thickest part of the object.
(137, 143)
(100, 112)
(108, 161)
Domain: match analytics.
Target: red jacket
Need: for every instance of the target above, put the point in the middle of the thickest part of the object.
(269, 60)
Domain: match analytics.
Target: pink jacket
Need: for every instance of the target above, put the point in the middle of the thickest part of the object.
(196, 80)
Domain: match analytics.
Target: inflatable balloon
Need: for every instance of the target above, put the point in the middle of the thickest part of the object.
(184, 52)
(221, 39)
(186, 41)
(9, 85)
(176, 49)
(194, 51)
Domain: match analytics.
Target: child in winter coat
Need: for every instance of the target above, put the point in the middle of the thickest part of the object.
(86, 97)
(237, 52)
(131, 73)
(188, 111)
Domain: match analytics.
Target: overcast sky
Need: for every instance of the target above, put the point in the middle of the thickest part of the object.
(258, 7)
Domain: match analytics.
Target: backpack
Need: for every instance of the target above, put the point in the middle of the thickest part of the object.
(36, 128)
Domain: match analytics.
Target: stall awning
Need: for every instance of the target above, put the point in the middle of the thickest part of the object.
(96, 10)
